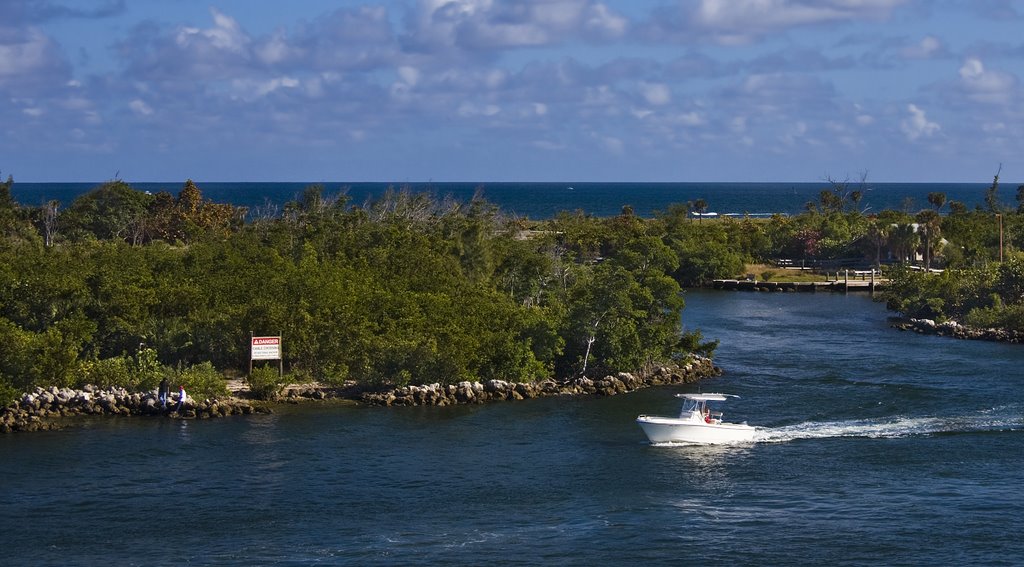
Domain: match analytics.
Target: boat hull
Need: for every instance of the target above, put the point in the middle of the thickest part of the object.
(671, 430)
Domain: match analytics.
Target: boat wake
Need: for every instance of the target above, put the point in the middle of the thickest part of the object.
(893, 428)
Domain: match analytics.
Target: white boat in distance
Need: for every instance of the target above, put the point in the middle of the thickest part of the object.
(696, 423)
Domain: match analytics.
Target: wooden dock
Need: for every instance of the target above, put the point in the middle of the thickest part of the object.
(840, 285)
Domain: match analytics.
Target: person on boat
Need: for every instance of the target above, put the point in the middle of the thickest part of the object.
(707, 415)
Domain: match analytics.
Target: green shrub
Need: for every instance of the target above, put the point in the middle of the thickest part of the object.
(336, 375)
(145, 371)
(693, 342)
(105, 372)
(200, 381)
(140, 373)
(265, 382)
(8, 393)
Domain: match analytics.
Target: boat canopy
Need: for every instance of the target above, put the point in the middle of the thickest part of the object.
(707, 397)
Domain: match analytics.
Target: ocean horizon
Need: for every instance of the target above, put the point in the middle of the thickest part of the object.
(540, 200)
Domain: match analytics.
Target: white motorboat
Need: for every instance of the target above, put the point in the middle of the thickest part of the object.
(696, 423)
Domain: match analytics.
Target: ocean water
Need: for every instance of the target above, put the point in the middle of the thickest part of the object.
(877, 447)
(544, 200)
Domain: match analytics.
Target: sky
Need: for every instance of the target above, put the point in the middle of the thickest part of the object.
(532, 90)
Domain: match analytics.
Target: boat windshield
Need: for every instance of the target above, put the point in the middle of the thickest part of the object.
(693, 405)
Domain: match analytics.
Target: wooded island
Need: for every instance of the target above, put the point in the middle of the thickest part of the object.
(122, 287)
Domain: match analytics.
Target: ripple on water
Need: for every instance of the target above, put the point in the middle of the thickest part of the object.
(878, 447)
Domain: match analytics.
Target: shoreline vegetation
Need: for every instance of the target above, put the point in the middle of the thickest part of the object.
(52, 408)
(122, 288)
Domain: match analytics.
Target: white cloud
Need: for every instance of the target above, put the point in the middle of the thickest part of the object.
(523, 79)
(917, 124)
(76, 103)
(928, 47)
(473, 25)
(656, 94)
(140, 107)
(601, 21)
(986, 86)
(470, 109)
(736, 22)
(25, 53)
(225, 35)
(252, 89)
(29, 58)
(409, 75)
(794, 133)
(688, 119)
(314, 87)
(613, 145)
(275, 50)
(548, 145)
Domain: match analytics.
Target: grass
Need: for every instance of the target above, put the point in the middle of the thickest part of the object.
(781, 274)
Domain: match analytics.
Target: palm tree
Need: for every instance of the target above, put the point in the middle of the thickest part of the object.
(903, 239)
(937, 200)
(928, 221)
(878, 233)
(701, 207)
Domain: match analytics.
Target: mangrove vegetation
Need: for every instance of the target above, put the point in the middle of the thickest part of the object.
(122, 287)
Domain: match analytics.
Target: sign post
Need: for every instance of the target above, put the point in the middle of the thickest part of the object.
(266, 348)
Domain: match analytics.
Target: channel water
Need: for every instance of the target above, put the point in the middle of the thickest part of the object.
(879, 446)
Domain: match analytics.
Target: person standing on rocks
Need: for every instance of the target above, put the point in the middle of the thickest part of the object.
(182, 396)
(163, 392)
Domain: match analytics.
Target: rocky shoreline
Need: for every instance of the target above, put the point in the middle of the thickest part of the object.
(47, 408)
(955, 330)
(496, 390)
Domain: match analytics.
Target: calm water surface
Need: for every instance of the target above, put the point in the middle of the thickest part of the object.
(879, 447)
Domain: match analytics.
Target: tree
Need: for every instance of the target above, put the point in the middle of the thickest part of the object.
(14, 221)
(929, 222)
(992, 193)
(49, 213)
(603, 314)
(937, 200)
(809, 241)
(8, 206)
(957, 208)
(843, 194)
(877, 235)
(1009, 282)
(107, 212)
(904, 240)
(701, 206)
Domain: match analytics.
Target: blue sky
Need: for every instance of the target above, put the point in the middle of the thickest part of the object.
(535, 90)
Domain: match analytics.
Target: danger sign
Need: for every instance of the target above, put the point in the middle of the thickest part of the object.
(266, 348)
